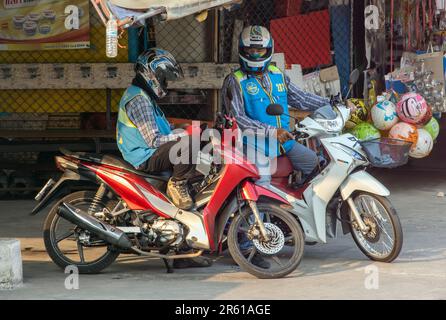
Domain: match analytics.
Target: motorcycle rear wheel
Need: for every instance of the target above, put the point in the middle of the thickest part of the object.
(378, 213)
(64, 257)
(279, 222)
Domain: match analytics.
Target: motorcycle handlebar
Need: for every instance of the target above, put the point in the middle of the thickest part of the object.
(300, 135)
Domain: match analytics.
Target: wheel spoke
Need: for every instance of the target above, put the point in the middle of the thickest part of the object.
(80, 248)
(378, 213)
(252, 254)
(65, 236)
(277, 260)
(383, 229)
(388, 248)
(365, 206)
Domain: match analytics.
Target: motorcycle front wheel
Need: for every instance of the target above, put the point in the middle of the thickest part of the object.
(275, 258)
(384, 239)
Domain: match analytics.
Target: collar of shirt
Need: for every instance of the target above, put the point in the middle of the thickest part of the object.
(263, 79)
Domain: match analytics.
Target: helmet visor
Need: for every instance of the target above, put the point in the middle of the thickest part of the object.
(165, 73)
(256, 54)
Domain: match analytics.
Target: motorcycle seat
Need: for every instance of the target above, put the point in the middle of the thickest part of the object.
(284, 167)
(117, 162)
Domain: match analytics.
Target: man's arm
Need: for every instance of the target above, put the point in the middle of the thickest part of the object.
(233, 100)
(141, 113)
(302, 100)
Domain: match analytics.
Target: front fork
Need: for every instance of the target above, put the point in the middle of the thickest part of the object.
(357, 216)
(259, 219)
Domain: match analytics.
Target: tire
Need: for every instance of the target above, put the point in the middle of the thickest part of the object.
(294, 229)
(396, 228)
(57, 256)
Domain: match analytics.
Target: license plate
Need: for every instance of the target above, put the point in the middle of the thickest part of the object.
(45, 190)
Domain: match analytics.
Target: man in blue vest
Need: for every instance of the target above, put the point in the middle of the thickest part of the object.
(144, 135)
(250, 90)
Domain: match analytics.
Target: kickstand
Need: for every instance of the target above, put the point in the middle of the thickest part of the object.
(168, 266)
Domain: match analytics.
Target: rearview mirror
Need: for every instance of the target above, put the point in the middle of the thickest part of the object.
(274, 110)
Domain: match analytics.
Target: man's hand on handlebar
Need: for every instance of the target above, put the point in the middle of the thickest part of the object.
(283, 135)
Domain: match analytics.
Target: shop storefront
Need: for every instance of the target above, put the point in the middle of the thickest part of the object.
(404, 77)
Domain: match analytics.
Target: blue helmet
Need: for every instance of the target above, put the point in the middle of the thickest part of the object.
(255, 37)
(156, 67)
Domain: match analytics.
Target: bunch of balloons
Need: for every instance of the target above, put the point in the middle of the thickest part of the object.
(409, 119)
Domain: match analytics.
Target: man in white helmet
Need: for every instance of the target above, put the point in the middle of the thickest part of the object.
(251, 89)
(248, 91)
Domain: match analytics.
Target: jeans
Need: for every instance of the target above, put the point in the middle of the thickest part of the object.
(303, 159)
(160, 161)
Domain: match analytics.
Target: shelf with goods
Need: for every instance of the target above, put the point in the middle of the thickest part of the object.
(416, 47)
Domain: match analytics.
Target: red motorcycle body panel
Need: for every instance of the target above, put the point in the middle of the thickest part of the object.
(252, 192)
(284, 168)
(128, 186)
(236, 170)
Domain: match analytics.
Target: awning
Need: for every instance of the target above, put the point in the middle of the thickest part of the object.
(130, 12)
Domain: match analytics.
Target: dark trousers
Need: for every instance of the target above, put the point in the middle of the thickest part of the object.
(160, 161)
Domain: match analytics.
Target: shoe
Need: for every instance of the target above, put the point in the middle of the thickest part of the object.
(198, 262)
(178, 192)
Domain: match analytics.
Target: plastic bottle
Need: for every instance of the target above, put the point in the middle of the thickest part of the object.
(111, 45)
(380, 99)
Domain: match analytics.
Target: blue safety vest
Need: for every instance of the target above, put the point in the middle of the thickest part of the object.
(131, 143)
(257, 99)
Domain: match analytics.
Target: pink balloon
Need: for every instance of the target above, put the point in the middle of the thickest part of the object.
(412, 108)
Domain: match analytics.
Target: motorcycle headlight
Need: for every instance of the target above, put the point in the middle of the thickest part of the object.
(352, 152)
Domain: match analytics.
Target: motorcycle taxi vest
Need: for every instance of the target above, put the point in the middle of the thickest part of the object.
(256, 99)
(131, 143)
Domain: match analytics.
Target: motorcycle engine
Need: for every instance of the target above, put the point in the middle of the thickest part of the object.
(167, 232)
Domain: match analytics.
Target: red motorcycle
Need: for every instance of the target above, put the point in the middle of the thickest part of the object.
(121, 210)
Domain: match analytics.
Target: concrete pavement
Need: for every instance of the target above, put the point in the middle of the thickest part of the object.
(337, 270)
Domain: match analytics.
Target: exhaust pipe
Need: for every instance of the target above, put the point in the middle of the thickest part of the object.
(99, 228)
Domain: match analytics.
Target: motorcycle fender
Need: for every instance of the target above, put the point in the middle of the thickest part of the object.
(252, 192)
(57, 190)
(362, 181)
(222, 220)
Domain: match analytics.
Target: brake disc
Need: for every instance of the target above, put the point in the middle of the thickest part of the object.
(276, 240)
(374, 233)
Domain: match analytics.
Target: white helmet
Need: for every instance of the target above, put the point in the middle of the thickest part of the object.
(255, 37)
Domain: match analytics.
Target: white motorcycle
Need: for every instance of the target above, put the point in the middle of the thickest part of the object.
(343, 190)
